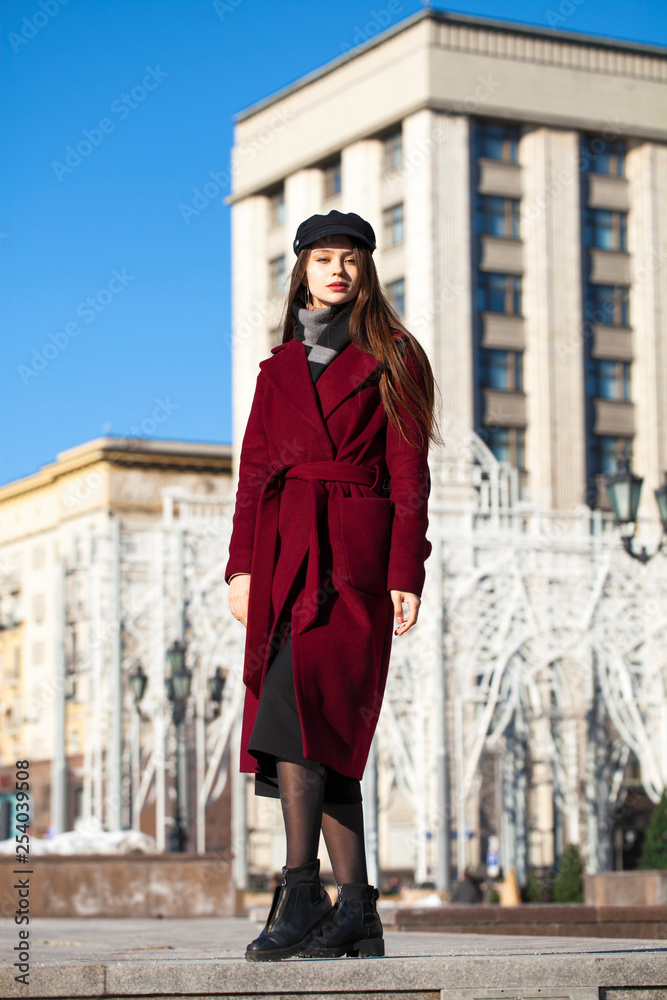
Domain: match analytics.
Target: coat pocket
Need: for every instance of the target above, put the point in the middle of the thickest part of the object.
(365, 524)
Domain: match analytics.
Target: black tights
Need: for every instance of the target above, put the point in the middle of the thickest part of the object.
(305, 813)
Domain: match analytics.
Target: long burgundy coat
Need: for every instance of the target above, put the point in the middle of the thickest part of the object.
(311, 528)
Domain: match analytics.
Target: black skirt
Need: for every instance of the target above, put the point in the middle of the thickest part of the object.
(276, 735)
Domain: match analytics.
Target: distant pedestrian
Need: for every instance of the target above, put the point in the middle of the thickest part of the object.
(467, 889)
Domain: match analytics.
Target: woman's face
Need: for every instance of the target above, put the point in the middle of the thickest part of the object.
(332, 274)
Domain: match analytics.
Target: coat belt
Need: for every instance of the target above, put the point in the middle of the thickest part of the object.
(265, 544)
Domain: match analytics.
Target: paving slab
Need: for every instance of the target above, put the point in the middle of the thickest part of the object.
(197, 958)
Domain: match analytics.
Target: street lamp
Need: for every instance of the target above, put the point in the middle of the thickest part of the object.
(661, 500)
(624, 489)
(138, 682)
(178, 685)
(179, 681)
(216, 685)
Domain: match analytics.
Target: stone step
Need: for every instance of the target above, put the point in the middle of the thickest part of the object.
(204, 957)
(550, 919)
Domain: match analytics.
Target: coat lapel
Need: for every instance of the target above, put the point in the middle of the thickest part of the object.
(343, 377)
(289, 373)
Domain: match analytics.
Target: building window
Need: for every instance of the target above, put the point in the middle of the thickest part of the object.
(605, 229)
(37, 653)
(393, 225)
(508, 445)
(499, 293)
(608, 305)
(38, 607)
(607, 379)
(601, 156)
(498, 216)
(38, 557)
(604, 452)
(277, 207)
(276, 275)
(332, 184)
(392, 150)
(501, 369)
(396, 295)
(495, 141)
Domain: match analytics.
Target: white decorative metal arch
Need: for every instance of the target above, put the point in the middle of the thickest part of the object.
(538, 641)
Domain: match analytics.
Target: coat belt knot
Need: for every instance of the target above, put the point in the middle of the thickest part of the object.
(316, 474)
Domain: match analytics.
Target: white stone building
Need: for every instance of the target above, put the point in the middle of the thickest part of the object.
(516, 179)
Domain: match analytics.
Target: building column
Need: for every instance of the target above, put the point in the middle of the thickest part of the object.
(59, 762)
(361, 169)
(647, 226)
(370, 795)
(417, 172)
(113, 811)
(552, 306)
(303, 198)
(449, 303)
(250, 310)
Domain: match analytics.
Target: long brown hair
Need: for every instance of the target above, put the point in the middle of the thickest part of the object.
(371, 323)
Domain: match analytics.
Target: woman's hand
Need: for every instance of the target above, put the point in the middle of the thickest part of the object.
(239, 588)
(399, 598)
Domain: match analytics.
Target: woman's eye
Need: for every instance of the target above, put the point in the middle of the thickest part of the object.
(324, 260)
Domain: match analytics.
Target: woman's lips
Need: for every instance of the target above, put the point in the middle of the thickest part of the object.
(337, 287)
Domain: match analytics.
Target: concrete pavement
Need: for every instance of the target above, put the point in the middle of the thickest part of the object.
(205, 957)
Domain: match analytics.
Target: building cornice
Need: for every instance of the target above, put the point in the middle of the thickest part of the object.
(184, 456)
(558, 40)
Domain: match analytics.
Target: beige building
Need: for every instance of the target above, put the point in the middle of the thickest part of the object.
(516, 179)
(57, 547)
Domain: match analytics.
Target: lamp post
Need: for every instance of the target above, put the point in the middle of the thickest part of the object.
(624, 489)
(178, 690)
(138, 682)
(216, 686)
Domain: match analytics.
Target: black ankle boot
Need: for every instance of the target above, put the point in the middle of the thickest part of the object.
(353, 928)
(299, 905)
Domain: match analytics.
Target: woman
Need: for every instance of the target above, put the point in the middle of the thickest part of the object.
(328, 543)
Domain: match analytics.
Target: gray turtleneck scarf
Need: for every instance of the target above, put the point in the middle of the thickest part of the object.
(324, 333)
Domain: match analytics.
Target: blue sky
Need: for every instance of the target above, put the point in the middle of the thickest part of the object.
(115, 310)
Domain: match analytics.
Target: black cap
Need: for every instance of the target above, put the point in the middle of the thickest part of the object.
(318, 226)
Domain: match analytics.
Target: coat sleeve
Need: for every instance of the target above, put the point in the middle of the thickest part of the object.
(407, 464)
(254, 467)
